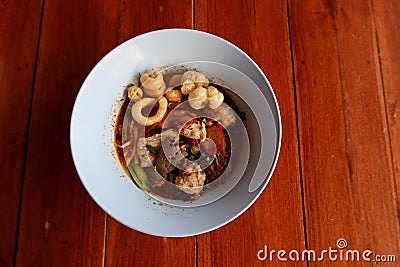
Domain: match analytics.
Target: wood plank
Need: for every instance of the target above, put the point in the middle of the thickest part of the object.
(388, 32)
(260, 28)
(125, 247)
(60, 224)
(346, 160)
(17, 56)
(137, 17)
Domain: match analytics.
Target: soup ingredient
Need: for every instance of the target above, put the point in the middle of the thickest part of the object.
(155, 93)
(194, 130)
(198, 98)
(194, 149)
(198, 78)
(149, 147)
(216, 134)
(175, 80)
(178, 117)
(131, 133)
(153, 84)
(171, 178)
(174, 95)
(139, 176)
(146, 157)
(209, 122)
(170, 144)
(187, 87)
(209, 147)
(215, 97)
(135, 93)
(163, 165)
(126, 126)
(223, 114)
(191, 80)
(152, 149)
(144, 102)
(191, 181)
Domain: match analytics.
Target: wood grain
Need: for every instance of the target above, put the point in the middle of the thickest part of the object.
(260, 28)
(126, 247)
(137, 17)
(345, 93)
(60, 224)
(346, 159)
(17, 56)
(388, 32)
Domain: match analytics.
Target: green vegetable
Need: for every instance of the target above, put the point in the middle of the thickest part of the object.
(194, 149)
(171, 178)
(152, 149)
(125, 126)
(139, 176)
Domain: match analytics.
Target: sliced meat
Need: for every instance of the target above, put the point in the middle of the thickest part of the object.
(191, 181)
(223, 114)
(162, 164)
(194, 130)
(146, 157)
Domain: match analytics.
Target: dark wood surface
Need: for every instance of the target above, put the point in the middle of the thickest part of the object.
(17, 65)
(335, 69)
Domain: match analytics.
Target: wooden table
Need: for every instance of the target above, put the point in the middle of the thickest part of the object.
(335, 68)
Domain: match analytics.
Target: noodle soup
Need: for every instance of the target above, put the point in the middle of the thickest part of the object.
(173, 134)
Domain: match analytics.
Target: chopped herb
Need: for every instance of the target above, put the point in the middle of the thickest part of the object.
(185, 147)
(194, 149)
(171, 178)
(197, 156)
(125, 125)
(152, 149)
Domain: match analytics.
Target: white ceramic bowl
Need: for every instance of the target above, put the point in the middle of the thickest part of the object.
(95, 110)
